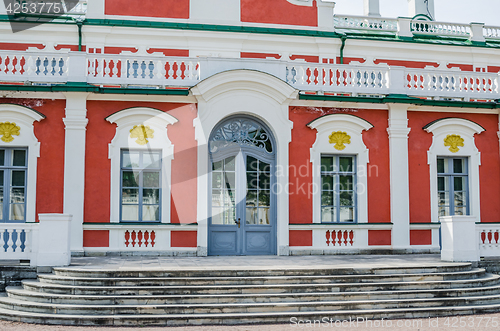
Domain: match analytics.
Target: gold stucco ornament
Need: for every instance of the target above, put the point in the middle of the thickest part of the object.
(454, 141)
(340, 138)
(142, 133)
(8, 130)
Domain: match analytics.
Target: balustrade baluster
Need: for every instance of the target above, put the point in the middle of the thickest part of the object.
(170, 70)
(107, 68)
(10, 242)
(18, 66)
(11, 65)
(157, 70)
(189, 71)
(179, 70)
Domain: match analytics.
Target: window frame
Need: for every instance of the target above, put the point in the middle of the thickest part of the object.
(140, 183)
(449, 176)
(336, 194)
(7, 169)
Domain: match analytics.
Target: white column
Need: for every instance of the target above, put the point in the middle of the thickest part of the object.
(400, 194)
(74, 164)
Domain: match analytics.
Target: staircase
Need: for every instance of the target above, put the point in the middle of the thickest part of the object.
(73, 296)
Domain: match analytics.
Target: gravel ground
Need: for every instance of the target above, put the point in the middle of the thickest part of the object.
(489, 322)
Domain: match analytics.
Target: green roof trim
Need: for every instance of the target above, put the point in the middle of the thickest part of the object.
(93, 89)
(350, 34)
(404, 99)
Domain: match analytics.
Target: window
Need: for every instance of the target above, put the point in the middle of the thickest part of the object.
(140, 189)
(452, 186)
(13, 178)
(338, 198)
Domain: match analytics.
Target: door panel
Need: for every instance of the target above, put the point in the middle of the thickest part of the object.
(241, 192)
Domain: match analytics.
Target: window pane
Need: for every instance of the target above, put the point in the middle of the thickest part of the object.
(440, 166)
(217, 198)
(229, 216)
(458, 166)
(17, 212)
(216, 215)
(265, 167)
(228, 198)
(130, 179)
(345, 164)
(252, 198)
(130, 213)
(230, 163)
(263, 216)
(217, 179)
(444, 211)
(346, 183)
(442, 184)
(217, 166)
(264, 199)
(1, 203)
(130, 195)
(264, 181)
(150, 213)
(327, 182)
(230, 181)
(151, 196)
(327, 198)
(251, 216)
(444, 199)
(328, 215)
(252, 164)
(130, 159)
(1, 177)
(327, 163)
(346, 214)
(18, 177)
(460, 199)
(459, 183)
(2, 157)
(346, 199)
(151, 179)
(19, 158)
(17, 195)
(151, 160)
(252, 180)
(460, 211)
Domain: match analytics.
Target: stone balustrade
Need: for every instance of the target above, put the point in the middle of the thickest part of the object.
(154, 71)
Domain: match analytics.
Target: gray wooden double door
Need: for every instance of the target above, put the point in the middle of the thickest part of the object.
(242, 204)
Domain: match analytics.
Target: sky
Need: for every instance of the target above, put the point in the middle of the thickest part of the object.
(453, 11)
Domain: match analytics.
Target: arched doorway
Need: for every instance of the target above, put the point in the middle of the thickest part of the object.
(242, 207)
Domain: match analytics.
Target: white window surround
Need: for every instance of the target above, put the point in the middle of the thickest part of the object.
(24, 117)
(466, 129)
(157, 120)
(353, 126)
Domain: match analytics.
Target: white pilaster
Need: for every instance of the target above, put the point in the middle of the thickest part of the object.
(74, 164)
(400, 194)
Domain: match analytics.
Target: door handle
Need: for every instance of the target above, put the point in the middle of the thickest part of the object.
(238, 222)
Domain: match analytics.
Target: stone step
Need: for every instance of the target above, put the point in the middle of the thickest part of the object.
(486, 280)
(149, 309)
(258, 280)
(259, 271)
(243, 318)
(21, 294)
